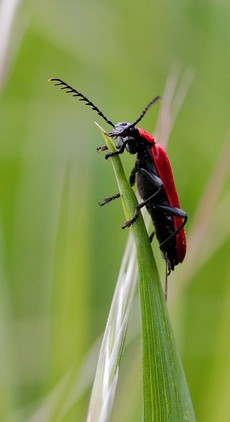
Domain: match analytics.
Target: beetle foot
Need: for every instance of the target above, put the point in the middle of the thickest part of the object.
(102, 148)
(128, 223)
(109, 199)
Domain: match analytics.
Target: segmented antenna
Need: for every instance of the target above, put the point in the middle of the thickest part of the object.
(145, 110)
(70, 90)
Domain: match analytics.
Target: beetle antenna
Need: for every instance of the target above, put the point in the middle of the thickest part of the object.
(145, 110)
(70, 90)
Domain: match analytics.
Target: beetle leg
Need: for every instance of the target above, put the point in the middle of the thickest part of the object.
(151, 236)
(102, 148)
(175, 212)
(120, 151)
(157, 183)
(136, 168)
(142, 204)
(109, 199)
(132, 177)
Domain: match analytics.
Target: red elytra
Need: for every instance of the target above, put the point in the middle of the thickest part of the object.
(163, 167)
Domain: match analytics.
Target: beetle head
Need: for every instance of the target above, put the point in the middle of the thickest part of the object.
(125, 132)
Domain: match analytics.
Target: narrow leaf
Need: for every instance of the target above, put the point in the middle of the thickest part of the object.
(165, 390)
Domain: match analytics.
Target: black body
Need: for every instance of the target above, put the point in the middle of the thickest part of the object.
(150, 187)
(151, 190)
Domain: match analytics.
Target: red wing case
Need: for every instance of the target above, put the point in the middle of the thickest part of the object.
(163, 167)
(164, 170)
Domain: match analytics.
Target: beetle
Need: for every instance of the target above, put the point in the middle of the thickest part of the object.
(154, 178)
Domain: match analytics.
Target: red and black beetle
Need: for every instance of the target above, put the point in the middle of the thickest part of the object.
(155, 183)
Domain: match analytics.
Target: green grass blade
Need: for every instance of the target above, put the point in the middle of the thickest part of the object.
(166, 394)
(105, 382)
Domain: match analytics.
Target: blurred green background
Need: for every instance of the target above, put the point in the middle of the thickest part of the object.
(60, 253)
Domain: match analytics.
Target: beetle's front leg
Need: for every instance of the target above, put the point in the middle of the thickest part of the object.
(120, 151)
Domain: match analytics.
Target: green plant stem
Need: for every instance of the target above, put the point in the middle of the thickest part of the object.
(165, 390)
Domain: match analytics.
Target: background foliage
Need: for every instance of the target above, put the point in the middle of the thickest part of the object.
(60, 253)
